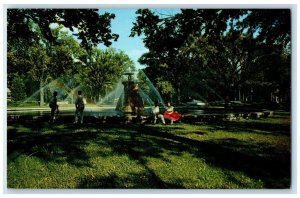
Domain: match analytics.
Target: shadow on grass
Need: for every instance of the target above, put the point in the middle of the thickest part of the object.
(259, 161)
(275, 129)
(236, 155)
(49, 143)
(144, 180)
(66, 143)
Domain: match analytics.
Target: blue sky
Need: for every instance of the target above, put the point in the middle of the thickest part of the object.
(121, 25)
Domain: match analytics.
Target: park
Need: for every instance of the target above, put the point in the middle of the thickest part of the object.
(226, 73)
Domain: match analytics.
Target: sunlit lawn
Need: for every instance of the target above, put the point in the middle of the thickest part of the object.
(228, 155)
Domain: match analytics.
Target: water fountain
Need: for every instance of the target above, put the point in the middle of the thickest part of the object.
(129, 100)
(132, 98)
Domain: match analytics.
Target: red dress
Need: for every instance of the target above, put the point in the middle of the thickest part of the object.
(171, 115)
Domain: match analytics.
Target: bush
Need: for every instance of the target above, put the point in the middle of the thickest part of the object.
(18, 89)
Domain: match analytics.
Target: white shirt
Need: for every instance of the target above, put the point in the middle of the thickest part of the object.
(155, 109)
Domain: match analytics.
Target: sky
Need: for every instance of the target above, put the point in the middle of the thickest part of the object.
(121, 25)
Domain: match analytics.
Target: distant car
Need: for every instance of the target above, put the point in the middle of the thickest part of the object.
(196, 103)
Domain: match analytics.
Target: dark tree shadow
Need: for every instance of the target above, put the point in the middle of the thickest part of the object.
(237, 155)
(139, 142)
(61, 143)
(275, 129)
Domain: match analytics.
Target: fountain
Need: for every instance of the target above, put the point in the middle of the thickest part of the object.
(135, 96)
(131, 99)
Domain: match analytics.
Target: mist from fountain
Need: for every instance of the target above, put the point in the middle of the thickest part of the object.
(152, 93)
(146, 90)
(107, 106)
(65, 93)
(111, 98)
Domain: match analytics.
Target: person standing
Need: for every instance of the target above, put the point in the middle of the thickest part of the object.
(53, 106)
(156, 114)
(79, 105)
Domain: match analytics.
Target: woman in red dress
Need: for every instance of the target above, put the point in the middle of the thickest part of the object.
(170, 114)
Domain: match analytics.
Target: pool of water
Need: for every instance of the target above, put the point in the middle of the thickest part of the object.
(110, 111)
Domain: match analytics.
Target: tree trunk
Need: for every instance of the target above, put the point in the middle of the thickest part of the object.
(41, 93)
(178, 93)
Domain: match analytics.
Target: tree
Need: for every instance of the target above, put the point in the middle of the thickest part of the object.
(65, 55)
(17, 58)
(39, 70)
(44, 52)
(18, 88)
(226, 64)
(172, 33)
(104, 67)
(218, 47)
(42, 61)
(272, 26)
(86, 24)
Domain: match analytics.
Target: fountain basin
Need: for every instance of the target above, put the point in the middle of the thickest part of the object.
(104, 114)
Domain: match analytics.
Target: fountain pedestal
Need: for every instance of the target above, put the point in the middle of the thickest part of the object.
(131, 104)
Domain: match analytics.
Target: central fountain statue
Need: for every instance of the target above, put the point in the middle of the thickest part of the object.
(131, 102)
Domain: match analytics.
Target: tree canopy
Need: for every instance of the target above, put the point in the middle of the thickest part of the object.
(86, 24)
(58, 45)
(212, 51)
(208, 54)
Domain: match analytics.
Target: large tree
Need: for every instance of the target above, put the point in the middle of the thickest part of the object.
(165, 58)
(272, 26)
(40, 68)
(227, 63)
(196, 46)
(103, 67)
(86, 24)
(46, 52)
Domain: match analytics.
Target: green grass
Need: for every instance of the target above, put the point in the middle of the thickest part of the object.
(245, 154)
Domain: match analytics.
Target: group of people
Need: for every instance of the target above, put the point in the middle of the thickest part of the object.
(79, 105)
(169, 114)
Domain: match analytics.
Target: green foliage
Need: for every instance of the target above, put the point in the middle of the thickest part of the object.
(273, 25)
(40, 62)
(213, 51)
(102, 68)
(17, 58)
(18, 88)
(165, 87)
(92, 28)
(92, 70)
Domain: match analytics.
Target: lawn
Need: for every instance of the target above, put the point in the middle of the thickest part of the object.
(245, 154)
